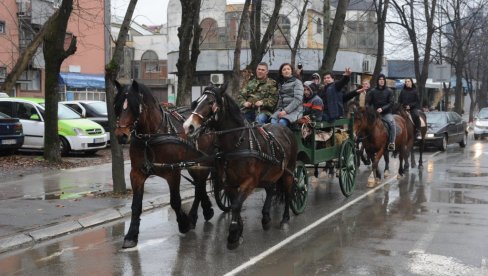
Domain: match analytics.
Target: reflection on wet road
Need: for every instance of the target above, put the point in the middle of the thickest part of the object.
(428, 223)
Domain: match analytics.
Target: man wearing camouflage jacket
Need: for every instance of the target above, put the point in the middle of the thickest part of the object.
(258, 98)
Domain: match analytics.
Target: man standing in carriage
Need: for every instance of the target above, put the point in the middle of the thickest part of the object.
(258, 98)
(381, 99)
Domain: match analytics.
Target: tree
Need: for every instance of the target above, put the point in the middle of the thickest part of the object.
(409, 19)
(236, 69)
(111, 71)
(381, 8)
(463, 21)
(334, 36)
(300, 31)
(54, 55)
(259, 43)
(189, 35)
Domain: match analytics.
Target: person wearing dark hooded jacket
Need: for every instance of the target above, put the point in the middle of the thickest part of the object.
(409, 99)
(381, 98)
(332, 95)
(312, 104)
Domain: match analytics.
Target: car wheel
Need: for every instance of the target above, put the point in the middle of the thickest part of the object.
(476, 137)
(443, 146)
(463, 142)
(63, 146)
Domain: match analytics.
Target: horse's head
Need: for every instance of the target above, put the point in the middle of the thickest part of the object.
(128, 105)
(205, 109)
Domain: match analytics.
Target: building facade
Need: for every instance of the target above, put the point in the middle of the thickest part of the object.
(22, 19)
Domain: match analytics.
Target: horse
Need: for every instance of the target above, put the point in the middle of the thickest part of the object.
(398, 109)
(158, 147)
(251, 156)
(373, 133)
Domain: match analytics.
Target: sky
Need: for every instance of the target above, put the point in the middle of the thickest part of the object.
(149, 12)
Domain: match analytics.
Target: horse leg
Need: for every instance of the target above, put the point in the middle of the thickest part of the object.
(137, 180)
(266, 220)
(236, 224)
(173, 179)
(421, 150)
(412, 159)
(286, 186)
(386, 156)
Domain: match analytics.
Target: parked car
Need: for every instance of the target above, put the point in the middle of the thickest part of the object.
(11, 133)
(75, 133)
(93, 110)
(445, 127)
(481, 124)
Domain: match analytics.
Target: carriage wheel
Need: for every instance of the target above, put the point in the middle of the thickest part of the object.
(300, 189)
(221, 197)
(347, 168)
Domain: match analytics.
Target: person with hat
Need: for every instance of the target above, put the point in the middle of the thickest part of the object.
(313, 106)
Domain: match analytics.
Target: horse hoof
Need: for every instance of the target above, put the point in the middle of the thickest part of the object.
(208, 214)
(266, 223)
(386, 174)
(129, 244)
(421, 167)
(284, 226)
(399, 176)
(233, 245)
(184, 227)
(378, 181)
(371, 183)
(413, 166)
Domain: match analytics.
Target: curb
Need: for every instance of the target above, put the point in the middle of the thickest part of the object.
(32, 237)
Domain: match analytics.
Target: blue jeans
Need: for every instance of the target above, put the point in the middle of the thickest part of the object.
(250, 116)
(281, 121)
(391, 132)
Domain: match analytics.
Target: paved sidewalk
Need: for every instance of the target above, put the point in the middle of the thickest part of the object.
(44, 206)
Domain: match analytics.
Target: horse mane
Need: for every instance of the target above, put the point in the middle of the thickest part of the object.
(371, 114)
(230, 106)
(143, 95)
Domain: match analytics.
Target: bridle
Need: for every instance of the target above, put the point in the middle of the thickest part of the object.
(132, 127)
(214, 109)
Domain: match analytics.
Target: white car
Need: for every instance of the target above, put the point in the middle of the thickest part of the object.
(481, 124)
(75, 133)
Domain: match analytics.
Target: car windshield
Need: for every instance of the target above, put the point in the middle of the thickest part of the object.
(99, 107)
(3, 116)
(65, 112)
(483, 113)
(436, 118)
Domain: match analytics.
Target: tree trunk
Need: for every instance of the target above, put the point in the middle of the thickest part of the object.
(54, 55)
(111, 71)
(334, 40)
(381, 12)
(327, 28)
(236, 69)
(189, 36)
(259, 45)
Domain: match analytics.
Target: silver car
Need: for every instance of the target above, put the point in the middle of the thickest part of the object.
(481, 124)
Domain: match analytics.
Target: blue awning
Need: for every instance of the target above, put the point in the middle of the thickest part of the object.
(77, 80)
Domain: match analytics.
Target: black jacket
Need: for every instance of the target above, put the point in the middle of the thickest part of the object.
(381, 97)
(409, 96)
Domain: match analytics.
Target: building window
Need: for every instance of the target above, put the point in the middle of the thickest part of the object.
(2, 27)
(319, 26)
(283, 32)
(31, 80)
(210, 32)
(150, 61)
(3, 73)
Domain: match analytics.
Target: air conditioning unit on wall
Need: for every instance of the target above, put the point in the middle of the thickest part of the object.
(367, 66)
(217, 78)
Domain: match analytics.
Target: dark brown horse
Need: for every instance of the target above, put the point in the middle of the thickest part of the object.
(157, 148)
(252, 156)
(398, 109)
(373, 133)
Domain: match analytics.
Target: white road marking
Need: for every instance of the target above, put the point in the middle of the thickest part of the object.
(300, 233)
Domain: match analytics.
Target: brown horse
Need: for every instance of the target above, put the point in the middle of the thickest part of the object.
(157, 148)
(252, 156)
(398, 109)
(373, 133)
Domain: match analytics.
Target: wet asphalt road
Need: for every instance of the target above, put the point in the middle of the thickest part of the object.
(429, 223)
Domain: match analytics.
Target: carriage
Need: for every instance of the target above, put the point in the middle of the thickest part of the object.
(312, 153)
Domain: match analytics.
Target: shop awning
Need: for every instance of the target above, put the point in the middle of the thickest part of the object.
(77, 80)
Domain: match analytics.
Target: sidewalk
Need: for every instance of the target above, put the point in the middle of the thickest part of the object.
(44, 206)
